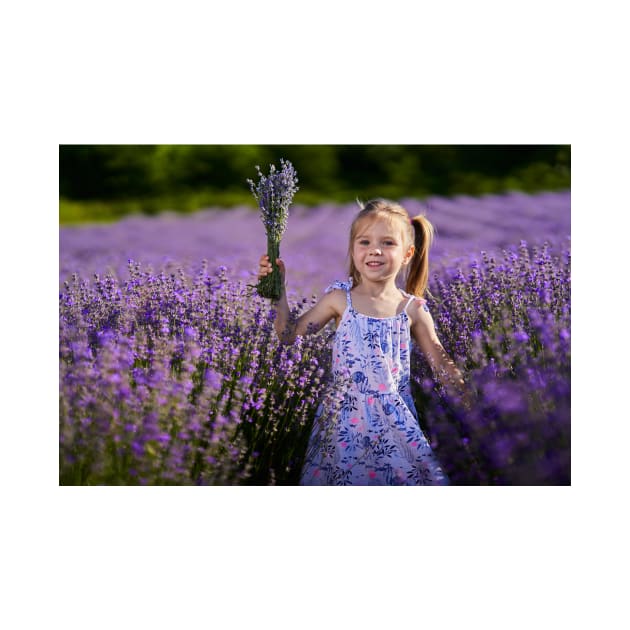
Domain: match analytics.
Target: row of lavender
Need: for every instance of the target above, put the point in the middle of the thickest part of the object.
(174, 376)
(315, 243)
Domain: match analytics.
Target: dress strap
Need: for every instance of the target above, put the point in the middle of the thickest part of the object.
(344, 286)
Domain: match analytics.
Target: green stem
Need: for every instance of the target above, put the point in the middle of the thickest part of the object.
(271, 286)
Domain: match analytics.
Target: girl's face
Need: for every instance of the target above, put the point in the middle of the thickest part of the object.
(379, 249)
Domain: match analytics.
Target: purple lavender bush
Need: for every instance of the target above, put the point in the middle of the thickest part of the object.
(170, 372)
(507, 324)
(274, 195)
(169, 379)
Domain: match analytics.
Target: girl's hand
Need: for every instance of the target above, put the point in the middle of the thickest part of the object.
(264, 267)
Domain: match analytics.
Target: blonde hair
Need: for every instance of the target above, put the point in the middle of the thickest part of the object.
(417, 232)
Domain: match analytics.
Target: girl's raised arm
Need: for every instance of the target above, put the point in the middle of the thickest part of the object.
(329, 306)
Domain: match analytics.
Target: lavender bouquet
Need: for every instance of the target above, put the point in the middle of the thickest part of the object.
(274, 195)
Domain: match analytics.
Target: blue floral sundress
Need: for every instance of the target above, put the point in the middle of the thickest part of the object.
(366, 429)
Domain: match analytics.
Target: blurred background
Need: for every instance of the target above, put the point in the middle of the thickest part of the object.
(106, 182)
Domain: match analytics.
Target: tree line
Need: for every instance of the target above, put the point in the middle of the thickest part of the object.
(333, 172)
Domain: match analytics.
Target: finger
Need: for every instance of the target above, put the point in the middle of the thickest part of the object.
(264, 269)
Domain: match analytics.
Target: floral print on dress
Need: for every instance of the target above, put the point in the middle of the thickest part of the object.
(366, 429)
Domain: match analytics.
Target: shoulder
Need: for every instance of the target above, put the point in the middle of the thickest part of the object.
(422, 324)
(336, 299)
(336, 295)
(418, 311)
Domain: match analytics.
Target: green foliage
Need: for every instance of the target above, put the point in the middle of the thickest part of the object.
(104, 182)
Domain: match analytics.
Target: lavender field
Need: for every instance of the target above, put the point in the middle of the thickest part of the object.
(170, 372)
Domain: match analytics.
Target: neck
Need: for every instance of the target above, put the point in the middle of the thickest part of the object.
(377, 289)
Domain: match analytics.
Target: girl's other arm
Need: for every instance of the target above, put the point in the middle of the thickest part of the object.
(423, 331)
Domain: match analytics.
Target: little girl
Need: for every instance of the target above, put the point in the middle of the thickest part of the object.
(366, 429)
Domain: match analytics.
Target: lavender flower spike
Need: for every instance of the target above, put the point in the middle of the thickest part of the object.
(274, 195)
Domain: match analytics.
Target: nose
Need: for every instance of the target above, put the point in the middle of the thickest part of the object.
(377, 252)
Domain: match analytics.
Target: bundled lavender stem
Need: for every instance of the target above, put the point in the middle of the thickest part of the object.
(274, 195)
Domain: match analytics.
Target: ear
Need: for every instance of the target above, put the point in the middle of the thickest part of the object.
(409, 255)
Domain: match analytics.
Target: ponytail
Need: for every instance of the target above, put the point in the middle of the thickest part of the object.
(418, 273)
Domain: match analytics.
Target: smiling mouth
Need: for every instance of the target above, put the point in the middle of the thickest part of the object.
(374, 263)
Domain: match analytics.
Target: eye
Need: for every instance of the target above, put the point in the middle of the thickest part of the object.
(364, 241)
(389, 243)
